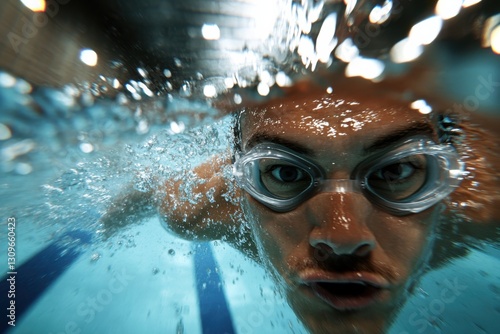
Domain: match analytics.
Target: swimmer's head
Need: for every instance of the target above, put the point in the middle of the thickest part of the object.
(345, 258)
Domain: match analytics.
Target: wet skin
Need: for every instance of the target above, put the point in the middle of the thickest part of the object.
(337, 238)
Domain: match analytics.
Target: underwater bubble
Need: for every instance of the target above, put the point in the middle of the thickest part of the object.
(167, 73)
(283, 80)
(23, 86)
(346, 51)
(23, 168)
(5, 132)
(263, 89)
(405, 51)
(229, 83)
(168, 86)
(209, 90)
(468, 3)
(35, 5)
(266, 78)
(142, 127)
(130, 88)
(380, 14)
(326, 41)
(185, 89)
(95, 257)
(15, 150)
(142, 72)
(210, 31)
(171, 251)
(447, 9)
(495, 40)
(86, 147)
(307, 52)
(350, 4)
(237, 98)
(177, 127)
(426, 31)
(145, 89)
(210, 195)
(88, 57)
(367, 68)
(71, 90)
(422, 106)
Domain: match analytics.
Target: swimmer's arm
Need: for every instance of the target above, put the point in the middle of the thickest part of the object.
(217, 216)
(214, 215)
(131, 206)
(210, 211)
(192, 215)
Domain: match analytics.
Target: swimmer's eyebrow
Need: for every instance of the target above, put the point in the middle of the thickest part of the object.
(268, 138)
(400, 134)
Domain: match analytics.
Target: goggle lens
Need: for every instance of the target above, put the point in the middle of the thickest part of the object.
(400, 180)
(283, 179)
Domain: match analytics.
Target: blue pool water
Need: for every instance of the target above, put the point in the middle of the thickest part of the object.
(74, 136)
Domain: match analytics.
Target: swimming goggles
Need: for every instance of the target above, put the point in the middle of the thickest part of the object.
(407, 178)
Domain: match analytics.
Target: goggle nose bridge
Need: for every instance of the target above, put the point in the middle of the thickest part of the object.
(339, 186)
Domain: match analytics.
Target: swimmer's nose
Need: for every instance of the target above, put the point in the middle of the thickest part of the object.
(340, 225)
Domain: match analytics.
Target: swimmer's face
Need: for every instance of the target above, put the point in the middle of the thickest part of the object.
(346, 264)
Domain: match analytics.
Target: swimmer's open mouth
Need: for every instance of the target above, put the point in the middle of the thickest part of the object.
(348, 295)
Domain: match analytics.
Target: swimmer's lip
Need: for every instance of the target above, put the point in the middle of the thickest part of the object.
(374, 288)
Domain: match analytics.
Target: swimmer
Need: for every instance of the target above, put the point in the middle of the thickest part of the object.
(343, 193)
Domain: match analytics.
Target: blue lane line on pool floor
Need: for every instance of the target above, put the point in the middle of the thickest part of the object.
(40, 272)
(214, 310)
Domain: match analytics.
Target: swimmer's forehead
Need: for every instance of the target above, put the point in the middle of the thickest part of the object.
(319, 103)
(334, 108)
(340, 119)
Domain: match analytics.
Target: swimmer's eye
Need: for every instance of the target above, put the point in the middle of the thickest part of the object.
(282, 180)
(394, 172)
(287, 173)
(401, 179)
